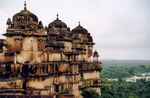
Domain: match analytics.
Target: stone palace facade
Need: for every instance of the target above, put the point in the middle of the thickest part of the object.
(51, 61)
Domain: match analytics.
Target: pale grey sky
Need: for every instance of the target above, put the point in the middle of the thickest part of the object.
(120, 28)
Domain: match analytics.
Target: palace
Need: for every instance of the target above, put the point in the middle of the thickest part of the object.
(51, 61)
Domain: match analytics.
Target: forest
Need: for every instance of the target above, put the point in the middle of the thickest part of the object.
(120, 70)
(124, 68)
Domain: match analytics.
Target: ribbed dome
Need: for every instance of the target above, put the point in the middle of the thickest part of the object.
(57, 23)
(79, 29)
(24, 17)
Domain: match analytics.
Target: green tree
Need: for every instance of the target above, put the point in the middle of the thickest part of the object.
(88, 93)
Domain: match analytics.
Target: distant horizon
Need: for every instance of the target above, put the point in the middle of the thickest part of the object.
(120, 28)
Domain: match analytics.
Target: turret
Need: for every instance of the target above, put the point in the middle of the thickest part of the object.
(95, 56)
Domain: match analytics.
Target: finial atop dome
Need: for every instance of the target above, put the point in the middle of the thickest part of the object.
(57, 17)
(79, 23)
(80, 29)
(25, 5)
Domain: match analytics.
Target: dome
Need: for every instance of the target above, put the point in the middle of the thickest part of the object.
(57, 23)
(80, 29)
(25, 17)
(95, 54)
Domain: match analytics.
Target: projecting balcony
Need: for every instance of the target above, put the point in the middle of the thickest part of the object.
(5, 59)
(90, 83)
(80, 52)
(79, 47)
(90, 66)
(47, 92)
(74, 52)
(56, 50)
(9, 53)
(10, 92)
(64, 39)
(38, 75)
(55, 44)
(97, 83)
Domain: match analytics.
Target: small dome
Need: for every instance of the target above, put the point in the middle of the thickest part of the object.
(57, 23)
(24, 17)
(95, 54)
(79, 29)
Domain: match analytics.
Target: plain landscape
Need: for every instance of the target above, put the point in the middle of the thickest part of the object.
(125, 79)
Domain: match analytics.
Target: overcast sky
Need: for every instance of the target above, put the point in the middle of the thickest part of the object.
(120, 28)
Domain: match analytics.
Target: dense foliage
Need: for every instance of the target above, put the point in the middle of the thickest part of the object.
(139, 89)
(121, 89)
(88, 93)
(121, 70)
(124, 69)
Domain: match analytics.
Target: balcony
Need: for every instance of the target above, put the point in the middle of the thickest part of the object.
(56, 50)
(9, 53)
(97, 83)
(90, 66)
(79, 47)
(55, 44)
(90, 83)
(74, 52)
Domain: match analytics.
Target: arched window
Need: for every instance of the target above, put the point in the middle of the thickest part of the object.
(41, 45)
(18, 44)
